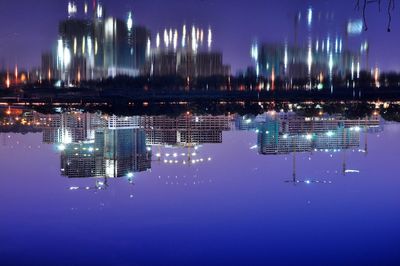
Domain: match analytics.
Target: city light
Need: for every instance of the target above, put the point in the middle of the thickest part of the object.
(184, 36)
(309, 58)
(72, 9)
(16, 73)
(309, 17)
(66, 57)
(8, 81)
(166, 38)
(355, 27)
(376, 77)
(148, 47)
(175, 40)
(254, 52)
(209, 38)
(330, 133)
(129, 22)
(61, 147)
(99, 11)
(285, 59)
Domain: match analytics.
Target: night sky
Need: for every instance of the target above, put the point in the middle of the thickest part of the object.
(29, 27)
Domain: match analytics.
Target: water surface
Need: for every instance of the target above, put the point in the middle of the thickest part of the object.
(231, 191)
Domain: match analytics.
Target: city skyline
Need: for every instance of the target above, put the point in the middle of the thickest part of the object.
(23, 46)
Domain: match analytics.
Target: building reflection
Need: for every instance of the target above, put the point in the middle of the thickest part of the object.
(113, 153)
(95, 145)
(288, 133)
(99, 146)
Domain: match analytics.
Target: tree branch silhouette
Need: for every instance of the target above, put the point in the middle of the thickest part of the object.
(365, 3)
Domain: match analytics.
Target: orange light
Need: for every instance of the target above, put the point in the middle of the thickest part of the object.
(16, 74)
(8, 81)
(23, 78)
(79, 76)
(273, 78)
(321, 77)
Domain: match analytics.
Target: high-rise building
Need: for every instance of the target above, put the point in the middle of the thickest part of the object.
(98, 47)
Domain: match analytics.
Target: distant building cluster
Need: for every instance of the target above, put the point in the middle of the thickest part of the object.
(187, 53)
(319, 52)
(94, 46)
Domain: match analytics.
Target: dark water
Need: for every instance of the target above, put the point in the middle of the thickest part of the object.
(199, 191)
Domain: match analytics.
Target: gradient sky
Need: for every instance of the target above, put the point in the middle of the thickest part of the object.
(29, 27)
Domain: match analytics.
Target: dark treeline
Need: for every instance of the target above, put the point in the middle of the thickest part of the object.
(241, 82)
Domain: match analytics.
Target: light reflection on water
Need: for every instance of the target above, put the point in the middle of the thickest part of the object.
(277, 188)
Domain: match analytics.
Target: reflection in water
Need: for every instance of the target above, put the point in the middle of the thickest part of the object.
(102, 146)
(159, 187)
(108, 146)
(289, 133)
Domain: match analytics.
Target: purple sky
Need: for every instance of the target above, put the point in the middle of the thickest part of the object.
(29, 27)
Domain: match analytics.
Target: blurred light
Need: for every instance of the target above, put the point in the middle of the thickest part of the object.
(60, 52)
(184, 36)
(166, 38)
(129, 22)
(83, 44)
(209, 39)
(8, 81)
(330, 133)
(67, 57)
(330, 64)
(336, 45)
(61, 147)
(99, 11)
(158, 40)
(254, 52)
(148, 48)
(75, 45)
(328, 45)
(90, 45)
(309, 16)
(72, 9)
(352, 69)
(309, 58)
(175, 40)
(285, 59)
(355, 27)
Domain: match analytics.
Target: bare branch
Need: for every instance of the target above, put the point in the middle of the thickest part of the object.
(390, 9)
